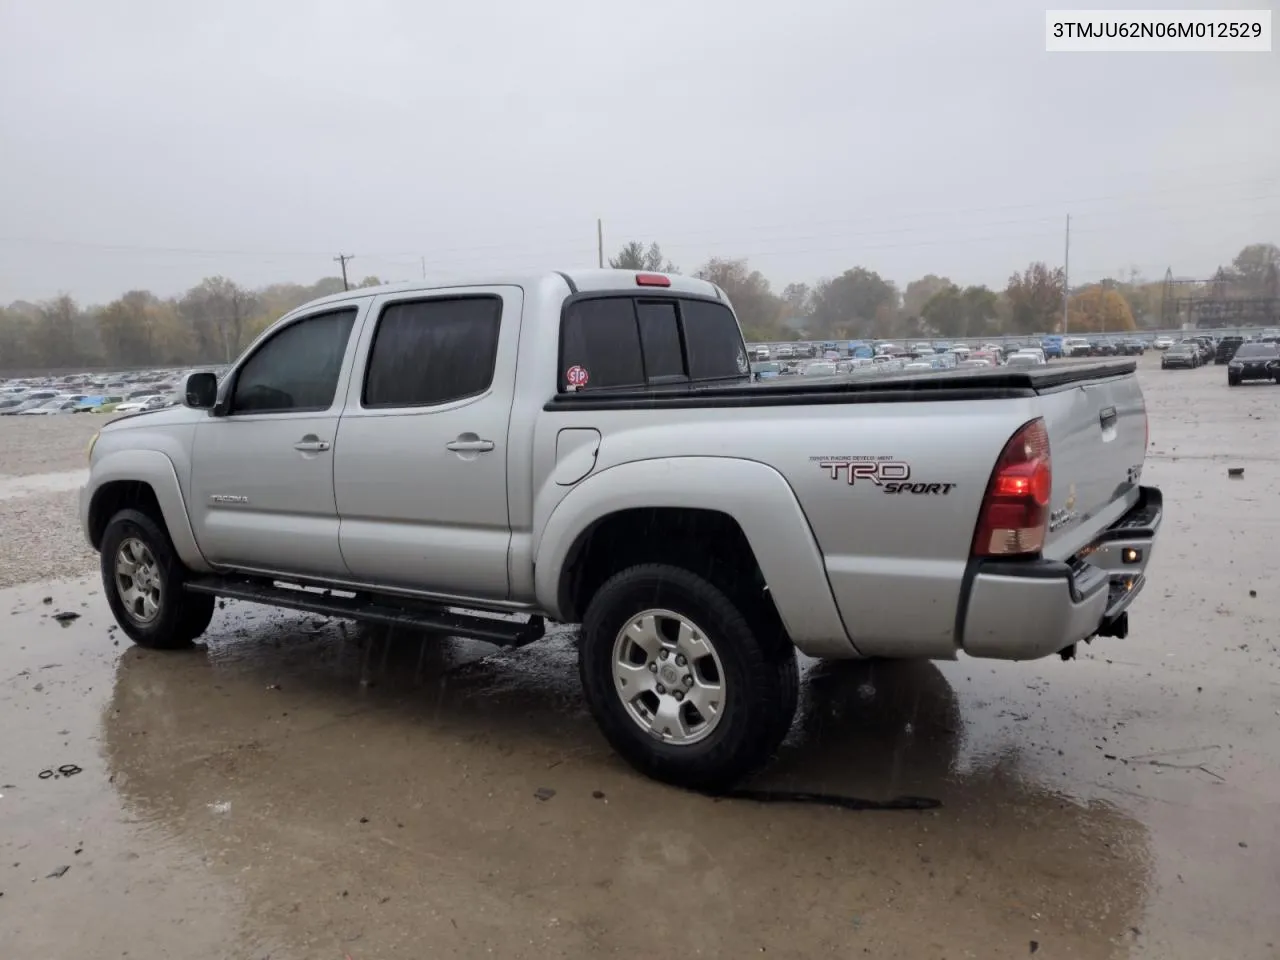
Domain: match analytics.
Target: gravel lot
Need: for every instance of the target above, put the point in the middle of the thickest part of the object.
(46, 444)
(38, 512)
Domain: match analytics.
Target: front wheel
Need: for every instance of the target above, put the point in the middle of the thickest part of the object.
(144, 579)
(1233, 381)
(690, 686)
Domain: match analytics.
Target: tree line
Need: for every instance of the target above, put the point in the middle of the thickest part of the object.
(861, 304)
(214, 320)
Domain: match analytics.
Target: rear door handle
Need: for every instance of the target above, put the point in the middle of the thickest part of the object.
(476, 446)
(312, 446)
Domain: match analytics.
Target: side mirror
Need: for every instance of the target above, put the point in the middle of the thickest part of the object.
(202, 391)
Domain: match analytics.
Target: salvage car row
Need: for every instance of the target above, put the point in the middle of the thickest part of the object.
(1254, 359)
(87, 393)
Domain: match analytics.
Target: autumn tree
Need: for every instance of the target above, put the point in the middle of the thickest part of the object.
(919, 292)
(796, 299)
(953, 312)
(1099, 308)
(1035, 299)
(54, 333)
(126, 329)
(1256, 270)
(758, 309)
(859, 302)
(634, 256)
(17, 345)
(218, 312)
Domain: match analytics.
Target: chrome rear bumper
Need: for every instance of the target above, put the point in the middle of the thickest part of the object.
(1024, 610)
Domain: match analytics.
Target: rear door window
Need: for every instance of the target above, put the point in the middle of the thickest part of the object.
(426, 352)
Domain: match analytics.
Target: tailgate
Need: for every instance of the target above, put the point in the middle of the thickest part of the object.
(1098, 440)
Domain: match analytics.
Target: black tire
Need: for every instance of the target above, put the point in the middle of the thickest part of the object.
(1233, 381)
(760, 677)
(181, 616)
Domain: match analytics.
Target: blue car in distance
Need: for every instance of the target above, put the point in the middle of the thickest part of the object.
(1052, 347)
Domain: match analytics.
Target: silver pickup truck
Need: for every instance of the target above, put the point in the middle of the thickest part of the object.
(590, 447)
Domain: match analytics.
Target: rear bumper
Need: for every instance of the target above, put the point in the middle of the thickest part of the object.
(1024, 610)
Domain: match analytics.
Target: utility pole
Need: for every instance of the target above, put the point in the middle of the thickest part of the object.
(1066, 276)
(424, 268)
(342, 258)
(600, 243)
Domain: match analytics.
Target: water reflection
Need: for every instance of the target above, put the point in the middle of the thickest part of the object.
(307, 759)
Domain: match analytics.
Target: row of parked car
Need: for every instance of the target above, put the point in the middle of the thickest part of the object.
(1257, 358)
(87, 393)
(891, 358)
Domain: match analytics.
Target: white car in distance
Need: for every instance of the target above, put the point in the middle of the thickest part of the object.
(152, 401)
(823, 368)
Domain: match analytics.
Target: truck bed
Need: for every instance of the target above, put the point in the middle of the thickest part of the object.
(891, 547)
(970, 384)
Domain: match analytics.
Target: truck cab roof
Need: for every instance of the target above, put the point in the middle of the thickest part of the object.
(572, 281)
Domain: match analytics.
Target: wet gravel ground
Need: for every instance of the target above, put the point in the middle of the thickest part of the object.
(31, 445)
(297, 788)
(42, 462)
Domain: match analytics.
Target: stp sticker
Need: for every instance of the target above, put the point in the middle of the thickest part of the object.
(577, 376)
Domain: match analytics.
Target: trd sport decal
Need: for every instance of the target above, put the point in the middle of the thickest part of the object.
(890, 475)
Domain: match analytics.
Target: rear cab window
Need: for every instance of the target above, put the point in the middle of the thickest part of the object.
(621, 341)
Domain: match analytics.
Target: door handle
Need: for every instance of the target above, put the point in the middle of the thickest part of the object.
(463, 446)
(311, 446)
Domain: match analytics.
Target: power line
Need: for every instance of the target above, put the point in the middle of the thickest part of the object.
(1066, 275)
(342, 258)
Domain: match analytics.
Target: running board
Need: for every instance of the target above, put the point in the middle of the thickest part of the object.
(504, 633)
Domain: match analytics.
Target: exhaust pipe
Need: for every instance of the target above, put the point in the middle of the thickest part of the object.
(1117, 627)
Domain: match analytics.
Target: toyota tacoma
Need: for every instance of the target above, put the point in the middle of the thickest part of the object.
(589, 447)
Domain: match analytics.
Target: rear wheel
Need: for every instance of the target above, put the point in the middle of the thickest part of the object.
(143, 580)
(690, 686)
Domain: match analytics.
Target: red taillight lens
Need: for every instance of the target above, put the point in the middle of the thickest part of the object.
(652, 280)
(1015, 510)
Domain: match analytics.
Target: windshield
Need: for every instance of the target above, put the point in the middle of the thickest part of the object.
(1179, 348)
(1257, 351)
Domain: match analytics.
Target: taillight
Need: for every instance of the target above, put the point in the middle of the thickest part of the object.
(1015, 510)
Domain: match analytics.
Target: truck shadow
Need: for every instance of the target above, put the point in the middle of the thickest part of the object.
(280, 749)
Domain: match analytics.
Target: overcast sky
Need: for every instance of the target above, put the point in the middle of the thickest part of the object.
(149, 143)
